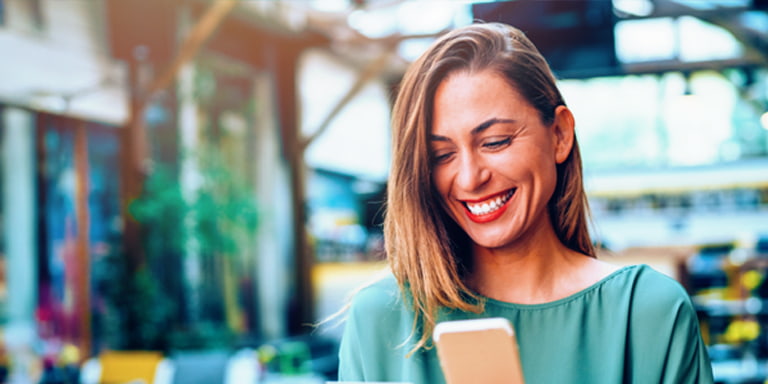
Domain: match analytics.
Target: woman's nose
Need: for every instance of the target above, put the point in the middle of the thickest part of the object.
(472, 173)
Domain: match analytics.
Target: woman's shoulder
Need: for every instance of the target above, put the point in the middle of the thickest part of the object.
(378, 313)
(380, 296)
(655, 293)
(654, 283)
(664, 334)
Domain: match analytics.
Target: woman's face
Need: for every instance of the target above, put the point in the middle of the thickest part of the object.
(493, 160)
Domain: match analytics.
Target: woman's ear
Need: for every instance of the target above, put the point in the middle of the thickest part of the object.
(563, 133)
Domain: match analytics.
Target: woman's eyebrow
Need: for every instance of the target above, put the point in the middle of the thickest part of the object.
(438, 138)
(488, 123)
(476, 130)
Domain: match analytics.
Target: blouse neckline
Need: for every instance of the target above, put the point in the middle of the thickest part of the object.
(574, 296)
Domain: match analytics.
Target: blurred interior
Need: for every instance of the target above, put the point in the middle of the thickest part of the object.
(201, 181)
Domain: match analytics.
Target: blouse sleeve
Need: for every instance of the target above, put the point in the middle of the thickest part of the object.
(372, 345)
(359, 340)
(350, 355)
(667, 346)
(688, 359)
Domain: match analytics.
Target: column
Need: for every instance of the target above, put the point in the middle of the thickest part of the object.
(21, 257)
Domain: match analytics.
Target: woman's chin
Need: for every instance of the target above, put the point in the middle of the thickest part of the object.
(490, 241)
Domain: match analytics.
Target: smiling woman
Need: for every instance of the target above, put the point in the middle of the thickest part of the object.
(506, 161)
(487, 217)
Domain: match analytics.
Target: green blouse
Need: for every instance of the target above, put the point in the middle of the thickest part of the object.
(634, 326)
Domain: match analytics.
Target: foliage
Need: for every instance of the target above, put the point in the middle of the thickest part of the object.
(138, 312)
(219, 214)
(204, 335)
(212, 214)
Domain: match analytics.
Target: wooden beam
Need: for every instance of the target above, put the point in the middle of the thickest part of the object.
(301, 305)
(370, 72)
(82, 271)
(200, 33)
(132, 170)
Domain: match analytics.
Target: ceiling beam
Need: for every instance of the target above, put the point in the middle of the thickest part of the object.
(199, 34)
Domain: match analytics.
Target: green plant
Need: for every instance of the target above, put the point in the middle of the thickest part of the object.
(213, 218)
(138, 311)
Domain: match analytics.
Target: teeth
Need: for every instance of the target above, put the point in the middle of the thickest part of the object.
(489, 206)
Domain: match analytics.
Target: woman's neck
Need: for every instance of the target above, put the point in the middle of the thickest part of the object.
(538, 270)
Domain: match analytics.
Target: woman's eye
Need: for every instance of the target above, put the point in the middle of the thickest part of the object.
(497, 144)
(440, 158)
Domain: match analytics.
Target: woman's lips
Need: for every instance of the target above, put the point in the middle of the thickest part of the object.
(488, 209)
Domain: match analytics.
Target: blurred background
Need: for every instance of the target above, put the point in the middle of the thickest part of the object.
(189, 186)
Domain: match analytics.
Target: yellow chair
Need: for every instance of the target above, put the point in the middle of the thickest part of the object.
(124, 367)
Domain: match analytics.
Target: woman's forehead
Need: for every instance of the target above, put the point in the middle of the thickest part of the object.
(472, 99)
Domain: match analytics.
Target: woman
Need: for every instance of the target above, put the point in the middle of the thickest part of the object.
(487, 217)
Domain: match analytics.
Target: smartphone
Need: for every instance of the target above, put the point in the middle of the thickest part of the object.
(478, 351)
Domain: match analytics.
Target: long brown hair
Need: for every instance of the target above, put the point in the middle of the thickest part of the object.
(428, 253)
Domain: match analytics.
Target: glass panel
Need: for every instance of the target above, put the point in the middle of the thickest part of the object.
(701, 41)
(646, 40)
(225, 200)
(674, 119)
(211, 194)
(57, 311)
(104, 217)
(3, 264)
